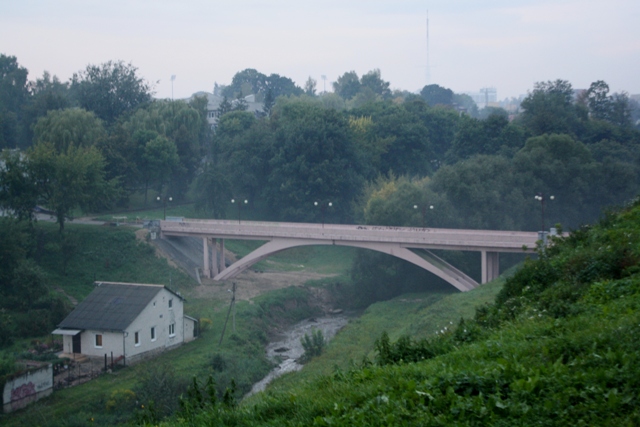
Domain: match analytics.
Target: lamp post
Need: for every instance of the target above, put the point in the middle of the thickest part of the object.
(240, 203)
(541, 198)
(164, 200)
(424, 212)
(323, 208)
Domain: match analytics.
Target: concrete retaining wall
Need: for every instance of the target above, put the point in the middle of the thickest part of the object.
(31, 386)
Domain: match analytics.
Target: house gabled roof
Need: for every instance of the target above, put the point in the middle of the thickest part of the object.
(112, 306)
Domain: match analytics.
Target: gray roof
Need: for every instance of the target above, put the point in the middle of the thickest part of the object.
(111, 306)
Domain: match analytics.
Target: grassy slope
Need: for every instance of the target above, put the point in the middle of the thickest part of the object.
(558, 348)
(113, 254)
(419, 315)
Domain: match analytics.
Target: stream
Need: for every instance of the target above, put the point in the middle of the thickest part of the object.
(289, 349)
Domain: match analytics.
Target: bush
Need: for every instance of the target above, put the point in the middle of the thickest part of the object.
(313, 345)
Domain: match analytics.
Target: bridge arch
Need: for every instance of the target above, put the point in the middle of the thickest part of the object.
(427, 261)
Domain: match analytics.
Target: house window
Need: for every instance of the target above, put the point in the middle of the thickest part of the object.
(137, 338)
(171, 303)
(172, 329)
(99, 340)
(153, 333)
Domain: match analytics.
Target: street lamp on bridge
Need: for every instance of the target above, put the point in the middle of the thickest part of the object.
(541, 198)
(424, 212)
(323, 208)
(240, 203)
(164, 200)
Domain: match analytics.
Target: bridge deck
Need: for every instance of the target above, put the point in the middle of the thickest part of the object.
(409, 237)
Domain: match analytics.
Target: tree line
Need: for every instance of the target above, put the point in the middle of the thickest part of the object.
(374, 154)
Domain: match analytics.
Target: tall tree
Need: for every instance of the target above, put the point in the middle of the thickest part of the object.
(70, 126)
(13, 96)
(18, 193)
(269, 102)
(437, 95)
(314, 160)
(282, 86)
(69, 179)
(598, 100)
(347, 85)
(550, 109)
(310, 87)
(213, 191)
(373, 80)
(110, 89)
(47, 94)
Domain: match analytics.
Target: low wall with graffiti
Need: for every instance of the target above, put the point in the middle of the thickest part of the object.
(27, 387)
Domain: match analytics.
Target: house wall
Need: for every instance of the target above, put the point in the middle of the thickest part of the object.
(189, 329)
(160, 316)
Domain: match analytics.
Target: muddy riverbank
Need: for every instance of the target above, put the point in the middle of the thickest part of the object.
(287, 350)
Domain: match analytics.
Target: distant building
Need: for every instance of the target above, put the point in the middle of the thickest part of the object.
(214, 101)
(127, 320)
(485, 97)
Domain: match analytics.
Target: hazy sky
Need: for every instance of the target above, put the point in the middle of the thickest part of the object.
(473, 43)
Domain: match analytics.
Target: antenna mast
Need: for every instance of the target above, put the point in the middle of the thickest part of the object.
(428, 62)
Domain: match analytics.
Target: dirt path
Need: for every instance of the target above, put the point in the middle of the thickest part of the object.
(250, 284)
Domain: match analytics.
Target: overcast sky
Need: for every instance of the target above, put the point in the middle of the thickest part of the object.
(509, 45)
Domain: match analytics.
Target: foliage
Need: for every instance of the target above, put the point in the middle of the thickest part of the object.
(202, 398)
(13, 96)
(313, 160)
(212, 188)
(69, 179)
(347, 85)
(251, 81)
(46, 94)
(157, 390)
(437, 95)
(18, 192)
(558, 347)
(72, 126)
(550, 109)
(313, 344)
(110, 89)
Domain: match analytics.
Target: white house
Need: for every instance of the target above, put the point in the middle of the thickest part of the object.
(128, 321)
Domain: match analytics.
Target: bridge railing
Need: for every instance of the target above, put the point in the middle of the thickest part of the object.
(408, 236)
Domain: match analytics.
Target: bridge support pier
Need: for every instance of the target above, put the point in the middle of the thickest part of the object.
(490, 266)
(213, 260)
(205, 250)
(214, 257)
(220, 260)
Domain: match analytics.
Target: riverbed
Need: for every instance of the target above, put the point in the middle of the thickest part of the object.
(288, 349)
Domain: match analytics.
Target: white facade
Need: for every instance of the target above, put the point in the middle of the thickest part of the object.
(159, 326)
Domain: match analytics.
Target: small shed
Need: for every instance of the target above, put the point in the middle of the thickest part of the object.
(127, 321)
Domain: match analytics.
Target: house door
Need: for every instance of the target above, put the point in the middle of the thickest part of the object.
(76, 344)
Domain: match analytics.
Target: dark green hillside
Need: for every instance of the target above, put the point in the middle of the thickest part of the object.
(558, 347)
(44, 271)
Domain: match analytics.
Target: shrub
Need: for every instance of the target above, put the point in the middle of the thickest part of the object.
(313, 344)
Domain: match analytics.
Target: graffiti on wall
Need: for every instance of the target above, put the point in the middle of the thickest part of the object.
(25, 390)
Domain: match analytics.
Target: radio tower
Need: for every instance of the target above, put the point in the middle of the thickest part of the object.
(428, 63)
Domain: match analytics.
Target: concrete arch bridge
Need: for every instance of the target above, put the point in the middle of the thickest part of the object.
(400, 242)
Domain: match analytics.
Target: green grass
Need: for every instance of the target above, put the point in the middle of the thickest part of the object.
(103, 254)
(241, 353)
(420, 315)
(113, 254)
(557, 347)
